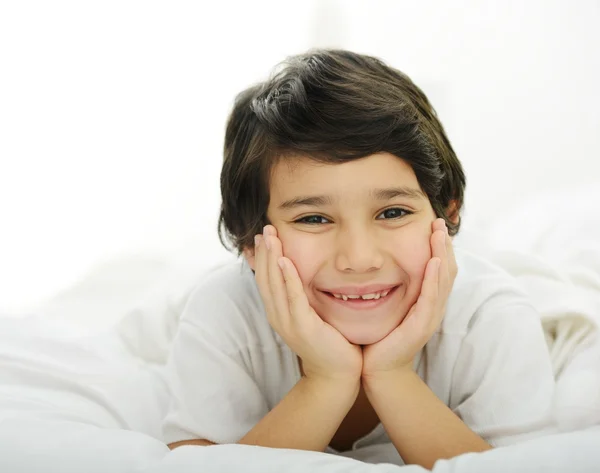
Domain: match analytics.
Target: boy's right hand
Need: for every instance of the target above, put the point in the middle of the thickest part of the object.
(325, 352)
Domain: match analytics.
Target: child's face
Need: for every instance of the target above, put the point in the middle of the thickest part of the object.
(347, 226)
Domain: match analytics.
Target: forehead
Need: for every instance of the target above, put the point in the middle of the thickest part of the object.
(292, 175)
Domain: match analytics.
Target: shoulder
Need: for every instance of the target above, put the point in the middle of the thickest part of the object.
(232, 282)
(226, 305)
(482, 292)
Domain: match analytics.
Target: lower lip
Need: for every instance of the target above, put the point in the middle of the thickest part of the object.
(363, 304)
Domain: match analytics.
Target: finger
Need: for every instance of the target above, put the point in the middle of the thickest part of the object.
(426, 303)
(276, 282)
(430, 287)
(260, 271)
(438, 224)
(452, 264)
(430, 295)
(438, 238)
(446, 276)
(297, 299)
(439, 250)
(444, 263)
(262, 276)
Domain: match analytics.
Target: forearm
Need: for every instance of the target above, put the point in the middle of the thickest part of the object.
(197, 442)
(422, 428)
(307, 417)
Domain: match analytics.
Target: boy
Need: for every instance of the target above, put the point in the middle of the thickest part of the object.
(346, 327)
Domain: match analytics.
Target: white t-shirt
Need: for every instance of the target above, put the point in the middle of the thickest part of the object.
(488, 361)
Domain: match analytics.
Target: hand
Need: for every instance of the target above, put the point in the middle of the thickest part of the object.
(325, 352)
(398, 349)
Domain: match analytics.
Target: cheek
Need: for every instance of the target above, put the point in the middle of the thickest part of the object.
(412, 252)
(304, 252)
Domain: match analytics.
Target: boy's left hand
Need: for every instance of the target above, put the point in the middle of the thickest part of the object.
(397, 350)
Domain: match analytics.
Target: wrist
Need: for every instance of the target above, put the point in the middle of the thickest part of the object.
(383, 378)
(341, 388)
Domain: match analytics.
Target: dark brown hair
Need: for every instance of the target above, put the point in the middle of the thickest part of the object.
(331, 106)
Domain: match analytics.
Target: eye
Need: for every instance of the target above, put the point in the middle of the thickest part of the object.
(394, 213)
(312, 220)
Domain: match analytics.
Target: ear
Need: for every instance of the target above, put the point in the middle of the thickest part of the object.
(249, 255)
(453, 211)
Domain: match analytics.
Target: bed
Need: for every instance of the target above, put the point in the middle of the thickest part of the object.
(82, 384)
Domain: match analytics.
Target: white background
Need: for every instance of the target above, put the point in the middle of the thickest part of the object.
(112, 113)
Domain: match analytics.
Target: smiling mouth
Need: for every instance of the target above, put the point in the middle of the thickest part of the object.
(370, 299)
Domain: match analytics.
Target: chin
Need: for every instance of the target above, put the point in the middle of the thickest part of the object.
(360, 336)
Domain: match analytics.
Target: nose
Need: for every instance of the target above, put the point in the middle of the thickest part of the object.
(358, 251)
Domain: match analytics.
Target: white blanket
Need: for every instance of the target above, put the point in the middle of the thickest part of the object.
(77, 397)
(72, 404)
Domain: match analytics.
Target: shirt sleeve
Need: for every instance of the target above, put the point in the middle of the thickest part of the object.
(503, 384)
(214, 395)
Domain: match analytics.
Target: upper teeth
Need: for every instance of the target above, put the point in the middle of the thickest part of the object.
(373, 295)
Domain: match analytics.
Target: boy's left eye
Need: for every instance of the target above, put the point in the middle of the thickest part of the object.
(394, 212)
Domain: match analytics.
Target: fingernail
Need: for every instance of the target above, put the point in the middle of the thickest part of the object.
(281, 263)
(268, 242)
(256, 240)
(266, 230)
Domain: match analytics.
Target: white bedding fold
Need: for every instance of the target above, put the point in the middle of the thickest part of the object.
(48, 373)
(576, 452)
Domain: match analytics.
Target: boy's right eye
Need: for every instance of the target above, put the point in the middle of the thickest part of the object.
(312, 220)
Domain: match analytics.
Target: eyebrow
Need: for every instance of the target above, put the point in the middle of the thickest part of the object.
(306, 201)
(392, 192)
(378, 194)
